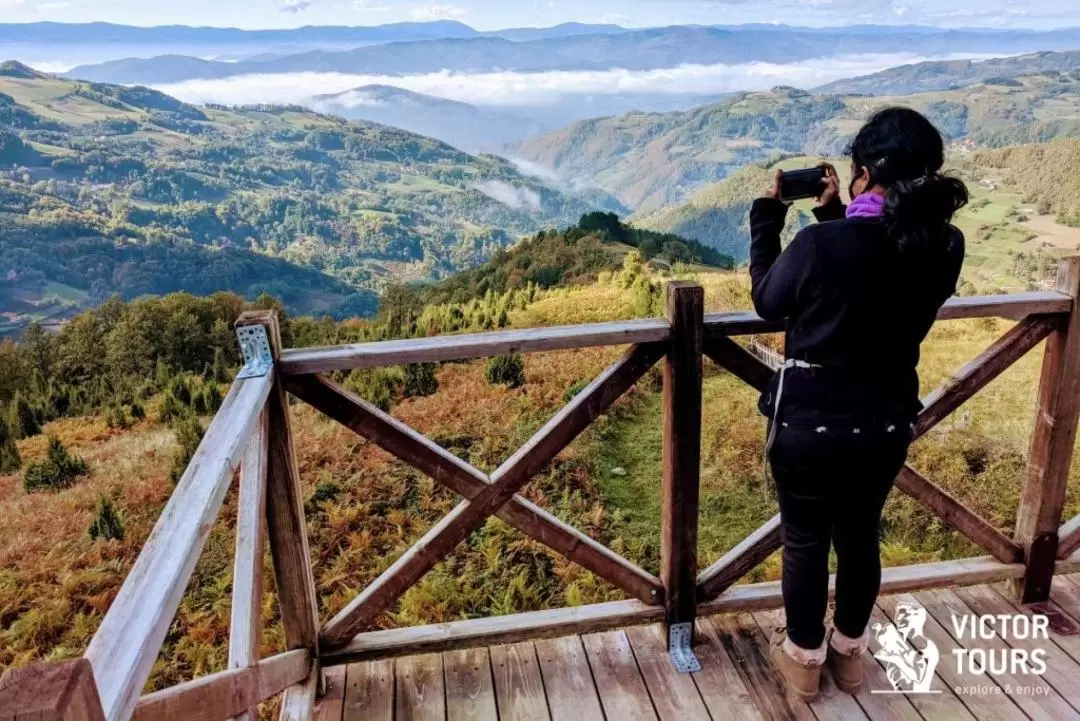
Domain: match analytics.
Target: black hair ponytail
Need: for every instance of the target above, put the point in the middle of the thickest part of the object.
(918, 211)
(904, 153)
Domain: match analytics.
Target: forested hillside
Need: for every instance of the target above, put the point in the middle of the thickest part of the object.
(106, 189)
(719, 215)
(1048, 175)
(653, 160)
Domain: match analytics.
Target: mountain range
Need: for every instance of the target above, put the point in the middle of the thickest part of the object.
(952, 74)
(108, 189)
(631, 50)
(652, 160)
(462, 125)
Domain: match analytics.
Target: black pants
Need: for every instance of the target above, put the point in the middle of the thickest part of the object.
(832, 487)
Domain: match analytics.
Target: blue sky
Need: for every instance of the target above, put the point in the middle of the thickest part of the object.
(491, 14)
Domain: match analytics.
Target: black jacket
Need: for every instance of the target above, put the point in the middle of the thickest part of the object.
(855, 305)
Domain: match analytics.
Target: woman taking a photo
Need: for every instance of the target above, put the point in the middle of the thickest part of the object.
(859, 291)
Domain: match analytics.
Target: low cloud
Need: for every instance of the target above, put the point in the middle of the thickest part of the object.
(294, 6)
(546, 88)
(510, 195)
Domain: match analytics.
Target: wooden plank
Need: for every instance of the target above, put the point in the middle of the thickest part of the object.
(470, 692)
(468, 516)
(494, 630)
(991, 363)
(675, 696)
(1069, 537)
(1015, 305)
(285, 507)
(740, 560)
(622, 690)
(369, 691)
(620, 614)
(62, 691)
(1052, 442)
(480, 345)
(127, 642)
(831, 703)
(943, 706)
(682, 451)
(1045, 702)
(298, 703)
(740, 362)
(722, 688)
(568, 680)
(400, 440)
(1062, 670)
(245, 627)
(420, 693)
(985, 707)
(958, 516)
(519, 686)
(331, 707)
(229, 693)
(749, 650)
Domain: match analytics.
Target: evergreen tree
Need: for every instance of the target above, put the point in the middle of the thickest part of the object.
(21, 418)
(189, 433)
(107, 523)
(219, 372)
(9, 454)
(507, 370)
(420, 380)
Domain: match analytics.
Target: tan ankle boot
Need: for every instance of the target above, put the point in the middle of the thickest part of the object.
(803, 679)
(847, 669)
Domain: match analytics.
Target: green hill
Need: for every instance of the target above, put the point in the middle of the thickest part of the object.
(653, 160)
(115, 189)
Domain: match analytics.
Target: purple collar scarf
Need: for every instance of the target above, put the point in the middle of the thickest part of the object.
(867, 205)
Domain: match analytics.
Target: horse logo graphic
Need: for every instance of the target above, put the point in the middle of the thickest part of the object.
(910, 656)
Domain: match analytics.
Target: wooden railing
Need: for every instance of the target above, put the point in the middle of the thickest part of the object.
(252, 433)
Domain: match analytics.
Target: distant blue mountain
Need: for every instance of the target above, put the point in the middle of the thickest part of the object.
(613, 48)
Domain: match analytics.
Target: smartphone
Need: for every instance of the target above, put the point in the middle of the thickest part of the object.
(799, 184)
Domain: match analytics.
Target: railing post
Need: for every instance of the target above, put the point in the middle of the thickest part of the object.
(285, 508)
(682, 466)
(63, 691)
(1051, 446)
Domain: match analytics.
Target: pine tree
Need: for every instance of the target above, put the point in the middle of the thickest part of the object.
(107, 523)
(21, 418)
(189, 433)
(9, 454)
(219, 372)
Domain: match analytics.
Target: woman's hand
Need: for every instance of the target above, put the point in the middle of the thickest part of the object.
(773, 192)
(832, 185)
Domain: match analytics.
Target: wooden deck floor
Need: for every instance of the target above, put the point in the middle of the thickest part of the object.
(626, 676)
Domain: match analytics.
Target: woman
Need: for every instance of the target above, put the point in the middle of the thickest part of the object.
(859, 290)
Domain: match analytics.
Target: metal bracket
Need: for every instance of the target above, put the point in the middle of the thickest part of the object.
(254, 346)
(682, 655)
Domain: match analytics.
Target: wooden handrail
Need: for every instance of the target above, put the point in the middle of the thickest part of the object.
(474, 345)
(221, 695)
(123, 650)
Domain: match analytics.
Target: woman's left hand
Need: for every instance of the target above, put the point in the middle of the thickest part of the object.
(832, 185)
(774, 191)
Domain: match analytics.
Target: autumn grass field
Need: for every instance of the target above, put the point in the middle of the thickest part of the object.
(364, 508)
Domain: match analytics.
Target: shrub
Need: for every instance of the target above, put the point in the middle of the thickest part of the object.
(375, 385)
(171, 409)
(189, 433)
(9, 453)
(507, 370)
(420, 380)
(115, 417)
(138, 413)
(576, 387)
(107, 523)
(212, 399)
(59, 470)
(325, 491)
(21, 419)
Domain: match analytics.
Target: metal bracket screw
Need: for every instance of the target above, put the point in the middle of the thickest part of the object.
(254, 346)
(682, 655)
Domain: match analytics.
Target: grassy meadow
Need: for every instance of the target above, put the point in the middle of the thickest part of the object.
(364, 508)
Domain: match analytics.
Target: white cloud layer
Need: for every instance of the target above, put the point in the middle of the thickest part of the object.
(524, 89)
(510, 195)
